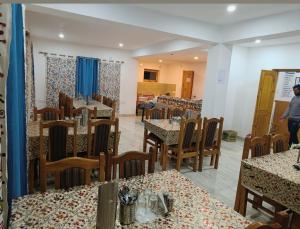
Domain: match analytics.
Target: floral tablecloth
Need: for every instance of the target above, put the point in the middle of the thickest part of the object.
(102, 110)
(33, 130)
(275, 177)
(193, 208)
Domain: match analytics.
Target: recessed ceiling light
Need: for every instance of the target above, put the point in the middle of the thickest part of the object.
(61, 35)
(160, 61)
(231, 8)
(121, 45)
(196, 57)
(141, 64)
(257, 41)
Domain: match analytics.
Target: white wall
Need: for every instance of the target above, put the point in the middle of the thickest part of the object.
(128, 87)
(246, 66)
(172, 74)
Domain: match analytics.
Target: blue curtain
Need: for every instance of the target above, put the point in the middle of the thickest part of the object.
(86, 76)
(16, 128)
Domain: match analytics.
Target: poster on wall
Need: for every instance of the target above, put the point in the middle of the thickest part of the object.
(285, 83)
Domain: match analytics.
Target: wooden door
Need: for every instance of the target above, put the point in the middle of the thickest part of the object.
(277, 126)
(264, 103)
(187, 84)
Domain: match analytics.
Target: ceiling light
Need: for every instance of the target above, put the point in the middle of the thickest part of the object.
(141, 64)
(196, 57)
(159, 61)
(257, 41)
(61, 35)
(231, 8)
(121, 45)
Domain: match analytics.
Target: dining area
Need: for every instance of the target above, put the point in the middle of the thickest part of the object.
(77, 171)
(76, 153)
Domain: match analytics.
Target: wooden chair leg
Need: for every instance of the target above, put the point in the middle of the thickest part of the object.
(257, 202)
(295, 223)
(145, 140)
(43, 181)
(200, 162)
(87, 176)
(217, 161)
(178, 161)
(196, 164)
(212, 159)
(282, 218)
(243, 201)
(31, 177)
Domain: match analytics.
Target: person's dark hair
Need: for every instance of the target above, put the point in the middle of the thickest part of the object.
(297, 86)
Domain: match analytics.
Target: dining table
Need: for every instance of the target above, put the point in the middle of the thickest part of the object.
(102, 110)
(275, 177)
(166, 130)
(77, 207)
(33, 148)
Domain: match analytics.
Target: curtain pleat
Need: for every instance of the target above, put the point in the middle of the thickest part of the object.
(16, 116)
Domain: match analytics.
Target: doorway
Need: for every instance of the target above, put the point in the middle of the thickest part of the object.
(187, 84)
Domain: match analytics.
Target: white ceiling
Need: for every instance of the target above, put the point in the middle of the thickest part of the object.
(186, 56)
(93, 32)
(217, 14)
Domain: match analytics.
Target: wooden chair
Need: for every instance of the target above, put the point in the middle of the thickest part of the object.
(61, 100)
(254, 147)
(131, 163)
(150, 138)
(99, 131)
(210, 144)
(48, 113)
(185, 148)
(68, 107)
(280, 143)
(281, 221)
(57, 147)
(175, 112)
(92, 113)
(77, 112)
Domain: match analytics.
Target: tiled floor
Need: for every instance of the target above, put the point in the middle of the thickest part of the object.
(221, 183)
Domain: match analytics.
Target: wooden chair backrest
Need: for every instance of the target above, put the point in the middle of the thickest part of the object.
(211, 133)
(189, 127)
(77, 112)
(81, 163)
(57, 139)
(280, 143)
(61, 99)
(132, 163)
(175, 112)
(99, 138)
(258, 225)
(69, 106)
(256, 147)
(92, 113)
(155, 113)
(48, 113)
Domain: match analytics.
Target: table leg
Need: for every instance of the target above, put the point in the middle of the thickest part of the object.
(31, 177)
(165, 158)
(143, 112)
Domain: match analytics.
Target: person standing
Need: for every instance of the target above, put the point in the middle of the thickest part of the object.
(292, 113)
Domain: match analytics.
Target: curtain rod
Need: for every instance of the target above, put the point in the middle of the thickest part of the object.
(73, 57)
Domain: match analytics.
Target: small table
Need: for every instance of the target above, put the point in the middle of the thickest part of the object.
(102, 110)
(77, 208)
(275, 177)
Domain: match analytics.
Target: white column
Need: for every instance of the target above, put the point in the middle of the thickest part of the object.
(216, 81)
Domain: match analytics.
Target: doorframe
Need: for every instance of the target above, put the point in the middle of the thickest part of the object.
(183, 82)
(272, 110)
